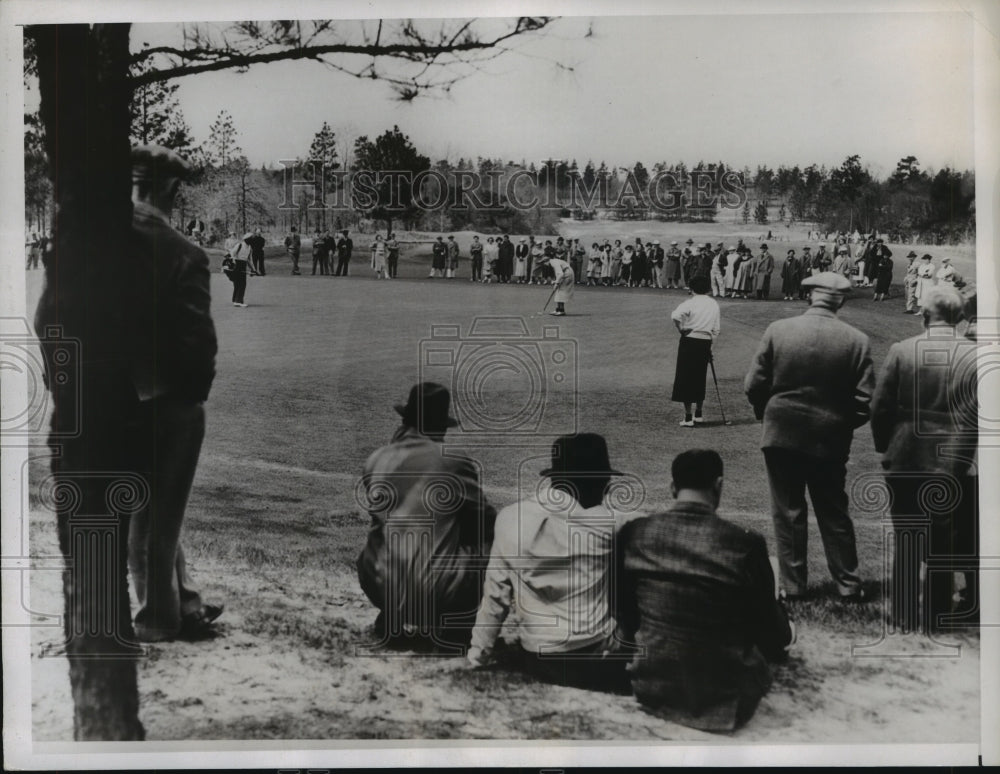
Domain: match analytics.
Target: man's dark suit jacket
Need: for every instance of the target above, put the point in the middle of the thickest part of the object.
(696, 594)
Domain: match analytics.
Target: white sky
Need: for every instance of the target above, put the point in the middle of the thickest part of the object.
(748, 89)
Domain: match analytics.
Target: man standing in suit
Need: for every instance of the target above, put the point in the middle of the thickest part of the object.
(439, 258)
(925, 421)
(696, 593)
(506, 259)
(293, 246)
(172, 346)
(257, 243)
(430, 526)
(811, 383)
(345, 246)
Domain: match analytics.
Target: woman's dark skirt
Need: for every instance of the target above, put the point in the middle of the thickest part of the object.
(692, 366)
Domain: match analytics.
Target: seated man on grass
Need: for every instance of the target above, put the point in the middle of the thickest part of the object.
(550, 566)
(697, 596)
(431, 529)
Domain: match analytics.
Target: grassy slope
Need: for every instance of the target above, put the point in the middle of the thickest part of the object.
(307, 378)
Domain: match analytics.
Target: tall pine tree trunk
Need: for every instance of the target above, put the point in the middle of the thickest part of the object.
(82, 73)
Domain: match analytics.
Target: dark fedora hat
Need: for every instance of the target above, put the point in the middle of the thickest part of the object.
(427, 407)
(586, 453)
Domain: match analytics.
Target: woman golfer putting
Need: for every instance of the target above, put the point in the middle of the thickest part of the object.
(698, 321)
(565, 281)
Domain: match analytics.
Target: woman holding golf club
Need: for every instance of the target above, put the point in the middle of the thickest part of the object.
(698, 321)
(563, 290)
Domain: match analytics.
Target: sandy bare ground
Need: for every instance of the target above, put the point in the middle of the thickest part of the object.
(292, 662)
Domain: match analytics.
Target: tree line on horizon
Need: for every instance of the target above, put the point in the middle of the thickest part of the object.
(230, 194)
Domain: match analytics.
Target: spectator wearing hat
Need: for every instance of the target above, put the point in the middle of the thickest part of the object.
(805, 270)
(476, 253)
(378, 258)
(491, 257)
(698, 594)
(698, 321)
(439, 258)
(875, 256)
(657, 257)
(742, 279)
(257, 243)
(293, 246)
(171, 345)
(534, 254)
(505, 262)
(552, 562)
(521, 253)
(626, 270)
(791, 277)
(392, 256)
(241, 269)
(811, 382)
(946, 274)
(453, 252)
(345, 246)
(430, 526)
(594, 264)
(925, 422)
(842, 263)
(718, 274)
(822, 261)
(762, 276)
(577, 257)
(925, 278)
(883, 275)
(910, 283)
(673, 266)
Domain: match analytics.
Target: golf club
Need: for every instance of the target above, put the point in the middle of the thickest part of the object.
(711, 363)
(549, 300)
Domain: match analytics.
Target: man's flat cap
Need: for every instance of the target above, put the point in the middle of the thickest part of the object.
(827, 280)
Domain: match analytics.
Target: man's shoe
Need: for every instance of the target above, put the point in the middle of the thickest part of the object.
(686, 423)
(857, 598)
(698, 420)
(198, 626)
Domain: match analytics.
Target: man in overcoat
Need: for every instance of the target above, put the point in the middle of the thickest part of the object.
(925, 422)
(431, 529)
(811, 382)
(172, 347)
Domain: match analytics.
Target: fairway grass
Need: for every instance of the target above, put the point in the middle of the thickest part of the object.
(308, 375)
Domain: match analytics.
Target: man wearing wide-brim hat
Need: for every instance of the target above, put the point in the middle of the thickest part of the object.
(430, 527)
(552, 562)
(171, 344)
(811, 383)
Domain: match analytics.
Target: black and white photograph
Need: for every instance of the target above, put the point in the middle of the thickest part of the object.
(586, 385)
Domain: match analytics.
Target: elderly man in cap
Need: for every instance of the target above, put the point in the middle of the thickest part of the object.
(552, 564)
(811, 383)
(172, 346)
(925, 421)
(697, 594)
(431, 529)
